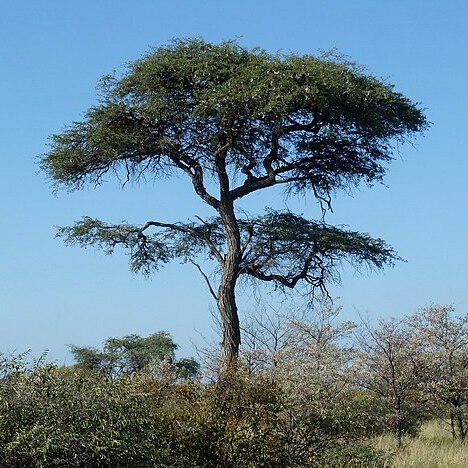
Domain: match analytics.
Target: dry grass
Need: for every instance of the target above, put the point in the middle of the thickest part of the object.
(433, 448)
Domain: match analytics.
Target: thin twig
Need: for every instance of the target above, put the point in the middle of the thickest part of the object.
(206, 279)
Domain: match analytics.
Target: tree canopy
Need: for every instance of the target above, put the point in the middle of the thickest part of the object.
(132, 354)
(236, 121)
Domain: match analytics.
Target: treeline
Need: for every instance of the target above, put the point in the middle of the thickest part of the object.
(309, 390)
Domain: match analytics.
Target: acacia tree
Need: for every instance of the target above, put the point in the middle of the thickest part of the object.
(237, 121)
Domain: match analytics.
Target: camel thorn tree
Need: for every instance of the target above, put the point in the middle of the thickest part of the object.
(237, 121)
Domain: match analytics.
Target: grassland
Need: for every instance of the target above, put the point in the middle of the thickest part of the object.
(433, 448)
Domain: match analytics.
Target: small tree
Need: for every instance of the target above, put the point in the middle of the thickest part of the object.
(265, 335)
(131, 354)
(443, 346)
(236, 122)
(315, 373)
(390, 370)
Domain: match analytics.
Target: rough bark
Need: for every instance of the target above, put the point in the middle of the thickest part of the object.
(226, 292)
(228, 309)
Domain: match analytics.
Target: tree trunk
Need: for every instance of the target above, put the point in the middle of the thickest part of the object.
(399, 423)
(399, 430)
(461, 428)
(452, 425)
(226, 293)
(229, 316)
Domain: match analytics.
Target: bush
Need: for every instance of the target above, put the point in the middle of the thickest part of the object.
(233, 423)
(357, 455)
(55, 417)
(246, 421)
(74, 418)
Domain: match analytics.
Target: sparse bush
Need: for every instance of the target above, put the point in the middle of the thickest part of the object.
(390, 371)
(442, 342)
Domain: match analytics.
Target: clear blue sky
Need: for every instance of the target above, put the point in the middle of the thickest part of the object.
(52, 54)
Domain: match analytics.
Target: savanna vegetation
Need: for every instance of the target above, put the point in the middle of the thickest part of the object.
(304, 389)
(310, 391)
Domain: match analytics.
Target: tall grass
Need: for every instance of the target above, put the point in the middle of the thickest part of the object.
(433, 448)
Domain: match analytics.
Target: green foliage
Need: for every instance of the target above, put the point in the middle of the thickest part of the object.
(187, 368)
(355, 455)
(188, 92)
(58, 417)
(245, 420)
(248, 120)
(234, 423)
(67, 417)
(135, 352)
(132, 354)
(283, 248)
(146, 252)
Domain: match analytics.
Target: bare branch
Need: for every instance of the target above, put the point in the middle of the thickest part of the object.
(205, 276)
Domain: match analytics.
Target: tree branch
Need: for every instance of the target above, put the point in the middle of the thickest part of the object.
(188, 230)
(195, 171)
(291, 282)
(252, 184)
(205, 276)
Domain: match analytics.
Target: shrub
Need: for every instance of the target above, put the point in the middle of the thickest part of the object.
(56, 417)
